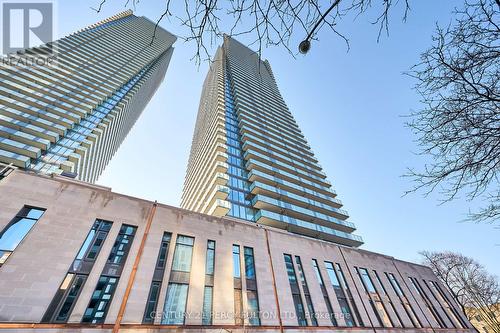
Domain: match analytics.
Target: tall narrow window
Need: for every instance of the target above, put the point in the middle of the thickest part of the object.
(307, 295)
(122, 245)
(430, 306)
(236, 261)
(101, 298)
(340, 294)
(374, 298)
(17, 229)
(238, 299)
(345, 286)
(294, 286)
(249, 263)
(382, 291)
(177, 291)
(62, 304)
(328, 304)
(366, 280)
(210, 262)
(183, 254)
(207, 305)
(69, 291)
(152, 303)
(444, 300)
(209, 283)
(175, 304)
(154, 290)
(444, 307)
(404, 301)
(251, 287)
(103, 294)
(162, 255)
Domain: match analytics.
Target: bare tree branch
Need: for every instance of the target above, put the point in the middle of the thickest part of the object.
(266, 22)
(458, 79)
(476, 291)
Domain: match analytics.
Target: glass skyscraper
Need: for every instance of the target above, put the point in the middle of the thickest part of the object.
(71, 117)
(249, 158)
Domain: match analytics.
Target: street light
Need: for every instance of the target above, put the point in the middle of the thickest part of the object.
(305, 45)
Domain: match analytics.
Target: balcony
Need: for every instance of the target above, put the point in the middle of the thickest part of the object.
(287, 166)
(219, 192)
(321, 204)
(307, 228)
(256, 175)
(306, 215)
(16, 159)
(219, 208)
(250, 142)
(19, 148)
(28, 128)
(323, 186)
(23, 137)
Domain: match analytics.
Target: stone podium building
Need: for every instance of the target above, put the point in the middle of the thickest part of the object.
(85, 259)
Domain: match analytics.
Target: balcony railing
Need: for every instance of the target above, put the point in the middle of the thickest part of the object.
(307, 228)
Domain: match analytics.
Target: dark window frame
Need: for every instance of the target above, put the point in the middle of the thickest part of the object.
(430, 306)
(206, 317)
(22, 214)
(249, 262)
(157, 282)
(104, 280)
(326, 297)
(296, 296)
(112, 271)
(374, 297)
(178, 243)
(207, 314)
(410, 312)
(305, 289)
(59, 300)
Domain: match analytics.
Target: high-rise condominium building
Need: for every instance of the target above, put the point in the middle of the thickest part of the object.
(249, 158)
(72, 117)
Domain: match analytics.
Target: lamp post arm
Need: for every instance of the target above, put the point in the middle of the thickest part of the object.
(322, 19)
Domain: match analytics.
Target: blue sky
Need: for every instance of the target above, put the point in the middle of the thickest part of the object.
(350, 106)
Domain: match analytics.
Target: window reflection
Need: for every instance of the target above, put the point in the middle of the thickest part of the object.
(17, 229)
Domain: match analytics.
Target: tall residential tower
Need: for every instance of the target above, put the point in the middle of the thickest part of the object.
(72, 117)
(249, 158)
